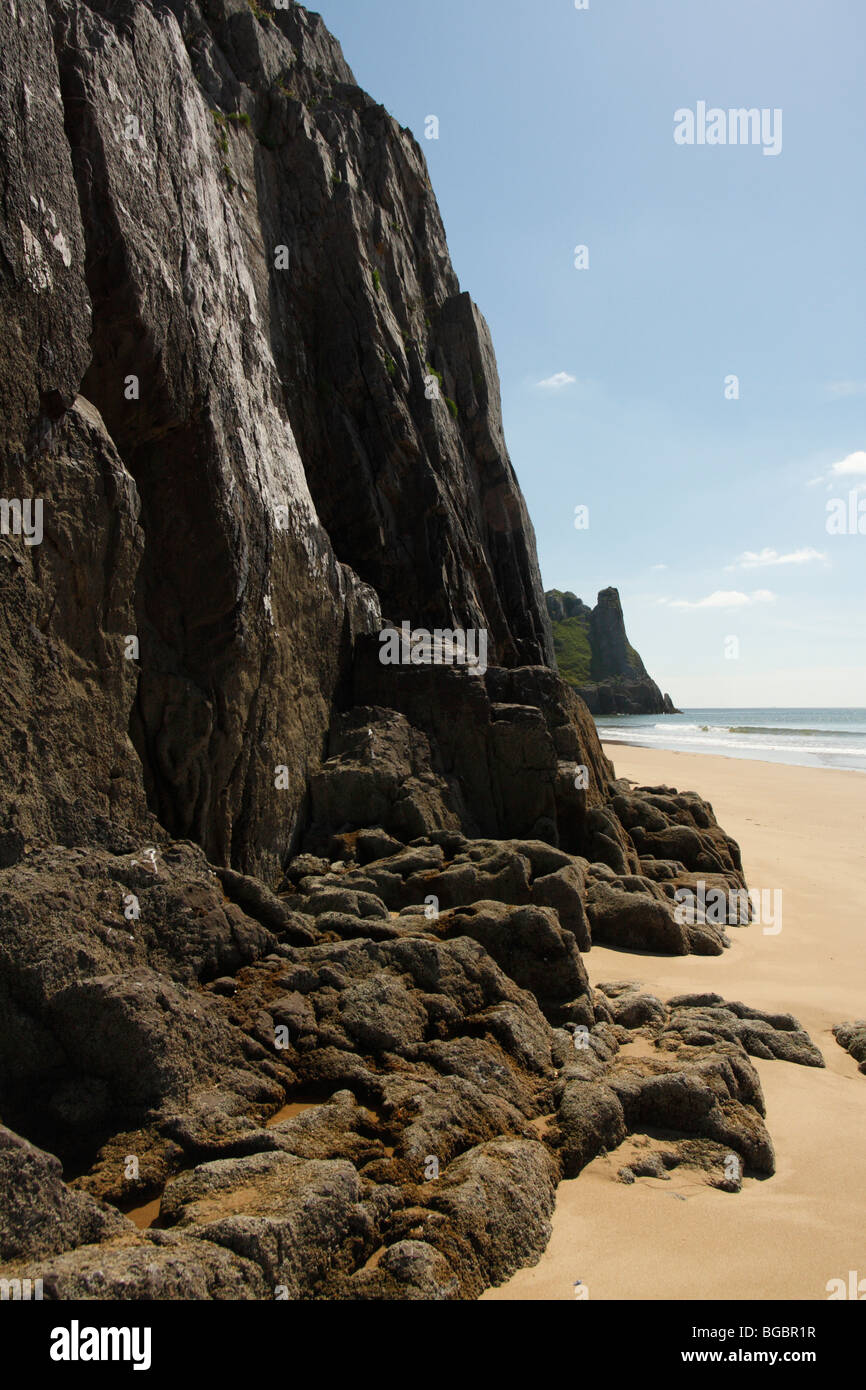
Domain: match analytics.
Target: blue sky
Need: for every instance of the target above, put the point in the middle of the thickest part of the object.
(556, 129)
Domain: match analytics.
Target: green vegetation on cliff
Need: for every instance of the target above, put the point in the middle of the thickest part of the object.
(573, 651)
(596, 658)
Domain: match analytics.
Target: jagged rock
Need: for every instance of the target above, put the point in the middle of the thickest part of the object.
(150, 1041)
(705, 1155)
(40, 1215)
(178, 305)
(529, 945)
(100, 1020)
(489, 1212)
(257, 901)
(376, 844)
(501, 874)
(706, 1018)
(408, 1270)
(589, 1120)
(661, 870)
(67, 605)
(723, 1169)
(378, 772)
(596, 658)
(339, 1129)
(343, 900)
(485, 1062)
(510, 742)
(563, 891)
(305, 866)
(439, 1116)
(514, 872)
(391, 996)
(297, 1219)
(155, 1265)
(714, 1100)
(632, 1009)
(706, 940)
(635, 921)
(852, 1036)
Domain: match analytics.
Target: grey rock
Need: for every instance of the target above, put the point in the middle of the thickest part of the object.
(852, 1036)
(563, 891)
(155, 1266)
(514, 1178)
(589, 1119)
(40, 1215)
(530, 946)
(635, 921)
(409, 1270)
(299, 1220)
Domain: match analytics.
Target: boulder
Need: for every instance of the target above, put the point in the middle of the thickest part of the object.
(852, 1036)
(589, 1120)
(634, 921)
(40, 1215)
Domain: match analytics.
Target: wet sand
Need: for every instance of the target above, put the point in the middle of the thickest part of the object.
(801, 830)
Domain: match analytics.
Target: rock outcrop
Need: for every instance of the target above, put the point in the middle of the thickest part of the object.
(291, 941)
(852, 1036)
(596, 658)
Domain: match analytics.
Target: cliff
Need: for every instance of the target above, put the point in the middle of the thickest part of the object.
(250, 421)
(250, 271)
(595, 657)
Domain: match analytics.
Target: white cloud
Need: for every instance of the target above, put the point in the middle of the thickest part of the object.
(556, 383)
(659, 567)
(753, 560)
(851, 467)
(727, 598)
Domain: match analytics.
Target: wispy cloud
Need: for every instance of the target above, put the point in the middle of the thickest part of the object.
(556, 383)
(659, 567)
(726, 598)
(841, 390)
(761, 559)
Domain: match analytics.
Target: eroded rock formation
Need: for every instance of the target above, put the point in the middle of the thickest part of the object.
(596, 658)
(852, 1036)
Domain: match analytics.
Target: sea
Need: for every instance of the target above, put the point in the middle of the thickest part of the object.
(802, 737)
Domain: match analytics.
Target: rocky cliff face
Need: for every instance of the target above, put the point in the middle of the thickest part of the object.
(243, 257)
(596, 658)
(248, 418)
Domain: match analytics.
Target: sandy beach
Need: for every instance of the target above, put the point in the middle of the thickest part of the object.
(800, 831)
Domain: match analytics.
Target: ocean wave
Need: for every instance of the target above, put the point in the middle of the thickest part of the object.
(756, 745)
(799, 733)
(702, 728)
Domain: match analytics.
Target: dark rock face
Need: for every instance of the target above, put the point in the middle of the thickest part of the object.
(127, 272)
(40, 1214)
(262, 422)
(511, 743)
(423, 1175)
(596, 658)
